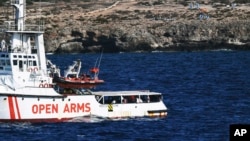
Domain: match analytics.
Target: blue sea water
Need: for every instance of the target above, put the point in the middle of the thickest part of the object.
(205, 92)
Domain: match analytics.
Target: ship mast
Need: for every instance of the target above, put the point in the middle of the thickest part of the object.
(23, 34)
(20, 6)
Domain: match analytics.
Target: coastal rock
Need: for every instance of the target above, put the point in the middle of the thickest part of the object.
(70, 47)
(126, 26)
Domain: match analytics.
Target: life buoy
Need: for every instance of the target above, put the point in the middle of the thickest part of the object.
(41, 85)
(35, 69)
(46, 85)
(30, 69)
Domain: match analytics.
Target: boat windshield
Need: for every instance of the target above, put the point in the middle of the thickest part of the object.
(127, 99)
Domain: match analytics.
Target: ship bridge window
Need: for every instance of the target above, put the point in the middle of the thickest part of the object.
(14, 56)
(2, 62)
(33, 50)
(112, 99)
(20, 56)
(24, 56)
(2, 55)
(130, 99)
(155, 98)
(8, 62)
(21, 65)
(34, 63)
(29, 56)
(30, 63)
(14, 62)
(145, 98)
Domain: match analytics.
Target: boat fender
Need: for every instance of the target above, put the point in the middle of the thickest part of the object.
(41, 85)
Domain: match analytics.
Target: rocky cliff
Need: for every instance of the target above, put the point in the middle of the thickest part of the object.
(142, 25)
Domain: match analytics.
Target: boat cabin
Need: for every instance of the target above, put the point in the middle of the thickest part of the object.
(18, 62)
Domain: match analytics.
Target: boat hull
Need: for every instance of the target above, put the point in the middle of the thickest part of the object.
(62, 109)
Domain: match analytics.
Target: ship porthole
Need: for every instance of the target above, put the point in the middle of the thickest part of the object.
(68, 99)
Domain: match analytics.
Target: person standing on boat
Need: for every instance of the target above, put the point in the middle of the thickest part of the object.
(3, 45)
(138, 99)
(148, 99)
(124, 100)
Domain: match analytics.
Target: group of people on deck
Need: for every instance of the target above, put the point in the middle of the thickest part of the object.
(123, 99)
(132, 99)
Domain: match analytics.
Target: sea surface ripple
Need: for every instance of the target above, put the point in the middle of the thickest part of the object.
(205, 92)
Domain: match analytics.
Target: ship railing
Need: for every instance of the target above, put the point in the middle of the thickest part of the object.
(28, 28)
(18, 49)
(13, 27)
(14, 2)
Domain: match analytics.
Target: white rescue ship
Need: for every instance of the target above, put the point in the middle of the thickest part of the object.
(28, 95)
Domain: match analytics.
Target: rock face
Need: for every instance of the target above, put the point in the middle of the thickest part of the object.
(146, 25)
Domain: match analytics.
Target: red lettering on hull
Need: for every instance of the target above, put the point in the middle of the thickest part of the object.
(66, 109)
(80, 107)
(87, 107)
(76, 108)
(53, 108)
(45, 108)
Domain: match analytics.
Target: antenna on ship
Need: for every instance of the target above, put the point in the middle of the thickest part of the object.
(96, 70)
(19, 12)
(100, 60)
(40, 14)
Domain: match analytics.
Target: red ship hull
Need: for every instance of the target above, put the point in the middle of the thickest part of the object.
(77, 83)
